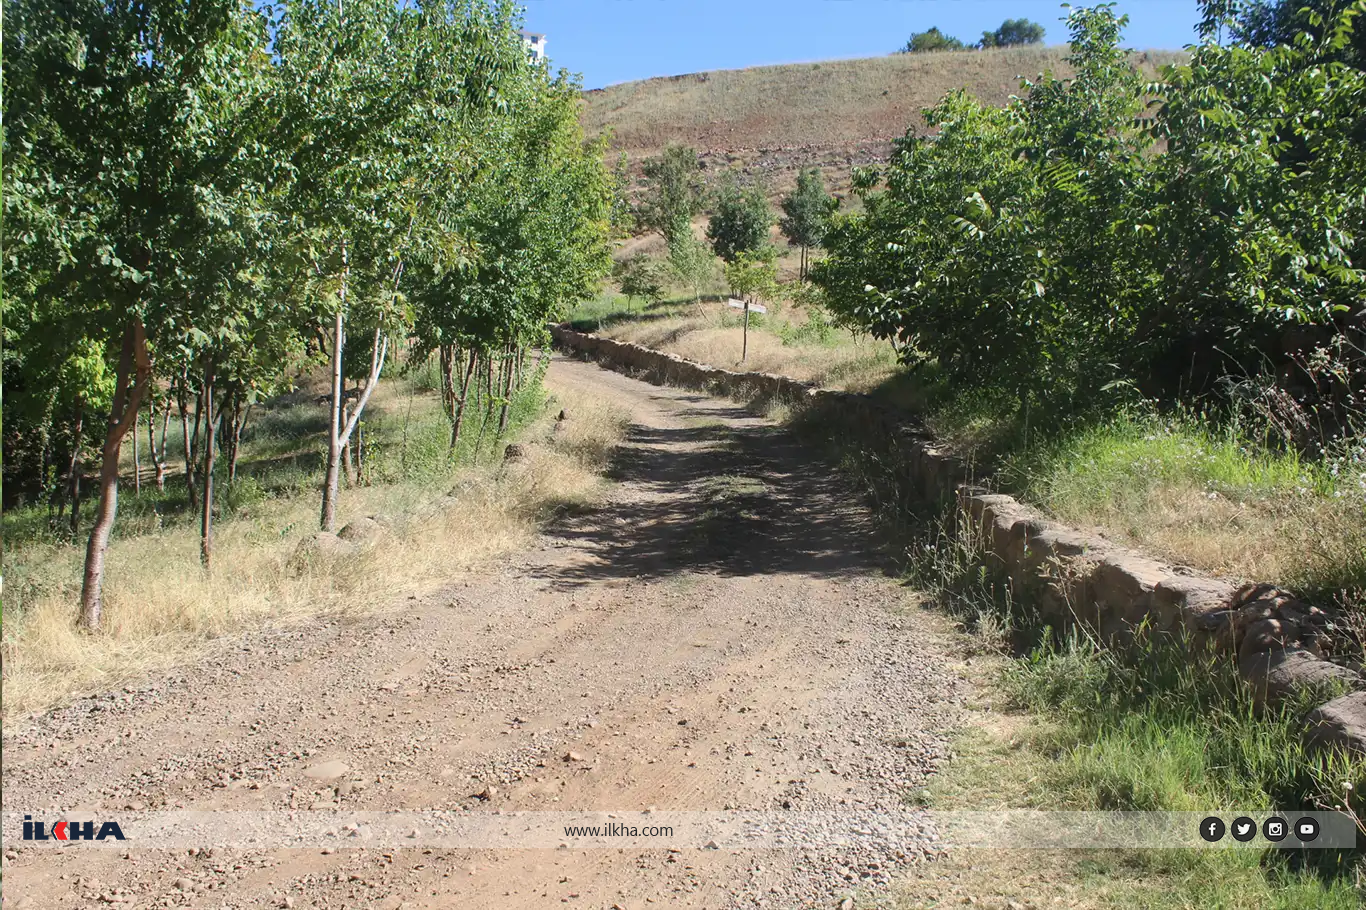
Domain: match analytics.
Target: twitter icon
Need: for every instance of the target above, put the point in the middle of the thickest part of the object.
(1243, 829)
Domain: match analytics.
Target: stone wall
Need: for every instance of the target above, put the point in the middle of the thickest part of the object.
(1279, 643)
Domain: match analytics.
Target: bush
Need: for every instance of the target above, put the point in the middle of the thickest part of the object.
(931, 40)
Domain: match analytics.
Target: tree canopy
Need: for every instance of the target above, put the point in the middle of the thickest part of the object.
(1065, 249)
(932, 39)
(741, 221)
(200, 197)
(1013, 33)
(674, 192)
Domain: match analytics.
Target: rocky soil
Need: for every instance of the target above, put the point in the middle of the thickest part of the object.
(719, 636)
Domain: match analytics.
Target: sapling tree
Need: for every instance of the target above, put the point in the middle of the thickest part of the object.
(674, 191)
(806, 214)
(741, 221)
(640, 276)
(752, 276)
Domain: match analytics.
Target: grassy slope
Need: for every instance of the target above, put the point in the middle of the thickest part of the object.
(771, 120)
(161, 609)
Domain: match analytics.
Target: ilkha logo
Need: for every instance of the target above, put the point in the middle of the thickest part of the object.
(69, 831)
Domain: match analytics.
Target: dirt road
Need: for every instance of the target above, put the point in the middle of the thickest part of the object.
(720, 635)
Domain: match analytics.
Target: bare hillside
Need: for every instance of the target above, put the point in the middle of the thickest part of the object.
(768, 121)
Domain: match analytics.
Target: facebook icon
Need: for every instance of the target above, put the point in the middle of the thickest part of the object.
(1212, 829)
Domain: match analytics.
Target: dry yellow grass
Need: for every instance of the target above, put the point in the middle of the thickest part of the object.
(161, 609)
(1300, 540)
(710, 333)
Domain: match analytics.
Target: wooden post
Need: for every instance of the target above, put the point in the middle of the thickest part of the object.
(744, 345)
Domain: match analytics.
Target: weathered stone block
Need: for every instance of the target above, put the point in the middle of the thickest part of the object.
(1124, 583)
(1184, 601)
(1052, 542)
(1268, 635)
(1015, 547)
(1339, 724)
(1274, 675)
(362, 530)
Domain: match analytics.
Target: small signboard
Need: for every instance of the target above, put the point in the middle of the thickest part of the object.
(740, 305)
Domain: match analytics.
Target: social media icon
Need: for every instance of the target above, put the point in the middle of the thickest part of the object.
(1243, 829)
(1212, 829)
(1275, 829)
(1306, 829)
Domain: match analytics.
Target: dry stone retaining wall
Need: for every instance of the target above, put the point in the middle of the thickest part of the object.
(1278, 642)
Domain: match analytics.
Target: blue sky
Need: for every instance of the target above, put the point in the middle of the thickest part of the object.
(611, 41)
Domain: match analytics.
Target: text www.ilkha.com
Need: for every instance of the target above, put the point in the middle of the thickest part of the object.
(614, 829)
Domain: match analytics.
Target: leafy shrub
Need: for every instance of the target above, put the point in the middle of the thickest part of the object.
(1070, 252)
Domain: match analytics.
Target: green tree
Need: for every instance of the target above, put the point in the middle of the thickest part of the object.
(674, 191)
(741, 221)
(752, 276)
(127, 129)
(377, 94)
(623, 217)
(691, 261)
(806, 213)
(1049, 251)
(533, 225)
(640, 276)
(1013, 33)
(931, 40)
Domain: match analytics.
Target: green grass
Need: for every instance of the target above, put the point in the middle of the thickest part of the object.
(1210, 491)
(1156, 730)
(994, 769)
(1153, 730)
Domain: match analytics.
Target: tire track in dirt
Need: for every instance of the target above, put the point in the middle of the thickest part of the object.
(718, 635)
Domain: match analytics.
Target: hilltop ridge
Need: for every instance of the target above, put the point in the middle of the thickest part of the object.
(770, 121)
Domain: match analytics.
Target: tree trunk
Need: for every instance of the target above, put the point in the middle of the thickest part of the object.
(744, 345)
(182, 398)
(330, 479)
(134, 372)
(464, 396)
(341, 435)
(447, 358)
(348, 469)
(360, 453)
(137, 462)
(158, 459)
(73, 472)
(507, 372)
(239, 420)
(195, 450)
(165, 425)
(488, 405)
(206, 515)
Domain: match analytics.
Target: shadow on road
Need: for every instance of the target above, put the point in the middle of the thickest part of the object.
(726, 495)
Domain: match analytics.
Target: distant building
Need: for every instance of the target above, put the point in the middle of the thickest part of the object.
(535, 44)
